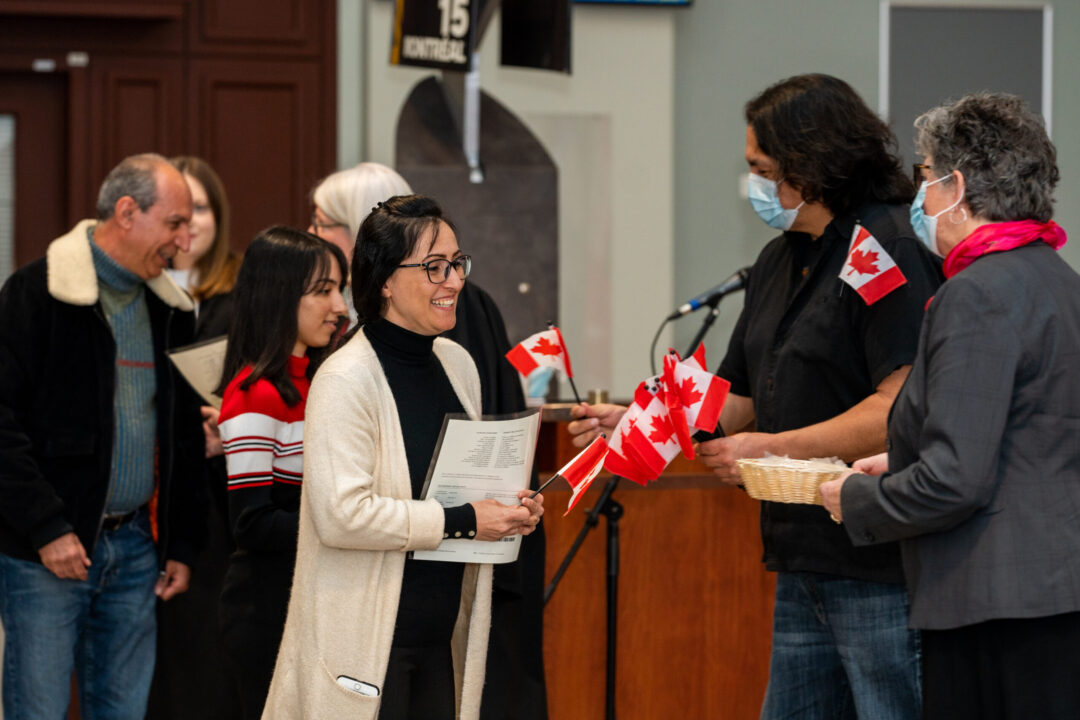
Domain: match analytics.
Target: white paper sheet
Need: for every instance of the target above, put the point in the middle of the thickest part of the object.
(476, 460)
(201, 365)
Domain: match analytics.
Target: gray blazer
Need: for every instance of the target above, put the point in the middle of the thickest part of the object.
(985, 448)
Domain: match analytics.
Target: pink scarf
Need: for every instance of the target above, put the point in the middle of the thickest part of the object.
(999, 237)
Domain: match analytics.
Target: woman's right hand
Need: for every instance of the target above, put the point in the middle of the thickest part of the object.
(591, 420)
(873, 465)
(211, 433)
(495, 520)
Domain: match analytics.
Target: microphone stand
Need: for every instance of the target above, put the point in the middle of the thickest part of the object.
(613, 511)
(710, 318)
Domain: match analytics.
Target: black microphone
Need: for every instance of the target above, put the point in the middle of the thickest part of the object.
(733, 284)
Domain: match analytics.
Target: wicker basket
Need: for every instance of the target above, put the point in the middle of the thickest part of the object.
(786, 480)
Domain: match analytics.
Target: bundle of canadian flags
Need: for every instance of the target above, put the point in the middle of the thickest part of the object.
(656, 426)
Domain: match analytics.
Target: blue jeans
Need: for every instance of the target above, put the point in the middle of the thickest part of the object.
(841, 649)
(103, 628)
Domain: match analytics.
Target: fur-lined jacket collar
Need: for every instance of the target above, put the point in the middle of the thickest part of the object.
(72, 279)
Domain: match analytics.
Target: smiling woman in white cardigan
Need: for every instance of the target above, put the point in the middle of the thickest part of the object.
(371, 633)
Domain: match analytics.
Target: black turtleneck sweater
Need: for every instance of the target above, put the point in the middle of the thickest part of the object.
(430, 591)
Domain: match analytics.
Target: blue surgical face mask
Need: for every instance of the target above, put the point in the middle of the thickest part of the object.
(925, 226)
(766, 203)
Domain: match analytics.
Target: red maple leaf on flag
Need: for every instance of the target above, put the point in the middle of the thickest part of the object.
(544, 346)
(863, 262)
(688, 392)
(662, 429)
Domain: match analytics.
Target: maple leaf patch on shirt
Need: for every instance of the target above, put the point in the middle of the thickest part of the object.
(869, 269)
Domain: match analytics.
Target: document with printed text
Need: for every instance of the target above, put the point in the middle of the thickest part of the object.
(477, 460)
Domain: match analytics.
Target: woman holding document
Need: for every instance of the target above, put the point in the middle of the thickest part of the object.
(371, 632)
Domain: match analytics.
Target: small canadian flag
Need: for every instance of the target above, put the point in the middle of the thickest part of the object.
(869, 269)
(542, 349)
(620, 460)
(583, 469)
(701, 394)
(675, 406)
(652, 439)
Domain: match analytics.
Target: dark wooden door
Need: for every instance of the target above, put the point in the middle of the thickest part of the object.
(38, 101)
(249, 85)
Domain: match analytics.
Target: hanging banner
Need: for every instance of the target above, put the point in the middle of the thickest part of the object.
(434, 33)
(536, 34)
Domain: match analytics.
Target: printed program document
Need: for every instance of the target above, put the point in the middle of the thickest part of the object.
(477, 460)
(201, 366)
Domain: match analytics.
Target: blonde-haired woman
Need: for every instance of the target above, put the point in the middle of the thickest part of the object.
(343, 199)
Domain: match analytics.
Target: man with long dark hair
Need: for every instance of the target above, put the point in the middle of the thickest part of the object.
(814, 366)
(825, 340)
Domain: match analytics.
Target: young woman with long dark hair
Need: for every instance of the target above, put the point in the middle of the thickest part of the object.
(288, 304)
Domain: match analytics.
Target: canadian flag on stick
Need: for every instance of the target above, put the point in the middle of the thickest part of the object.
(869, 269)
(652, 439)
(583, 469)
(620, 459)
(675, 407)
(542, 349)
(697, 360)
(700, 393)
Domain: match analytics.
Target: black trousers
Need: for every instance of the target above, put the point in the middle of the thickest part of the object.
(1003, 670)
(254, 604)
(419, 684)
(252, 646)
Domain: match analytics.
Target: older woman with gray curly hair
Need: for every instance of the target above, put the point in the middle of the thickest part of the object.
(981, 483)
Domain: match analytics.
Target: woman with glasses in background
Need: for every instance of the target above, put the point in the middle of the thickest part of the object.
(370, 631)
(343, 199)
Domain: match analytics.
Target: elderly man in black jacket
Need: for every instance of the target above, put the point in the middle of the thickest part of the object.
(101, 451)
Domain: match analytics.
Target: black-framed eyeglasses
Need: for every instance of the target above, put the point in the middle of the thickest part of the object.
(438, 271)
(916, 173)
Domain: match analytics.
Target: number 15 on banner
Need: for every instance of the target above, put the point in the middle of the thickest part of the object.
(454, 19)
(435, 35)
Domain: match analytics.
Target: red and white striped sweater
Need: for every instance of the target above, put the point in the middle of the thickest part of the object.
(264, 454)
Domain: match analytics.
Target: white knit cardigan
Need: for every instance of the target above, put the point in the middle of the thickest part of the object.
(357, 520)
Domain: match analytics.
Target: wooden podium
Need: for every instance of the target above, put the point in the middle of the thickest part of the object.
(694, 606)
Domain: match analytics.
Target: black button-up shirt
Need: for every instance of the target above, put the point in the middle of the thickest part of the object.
(807, 348)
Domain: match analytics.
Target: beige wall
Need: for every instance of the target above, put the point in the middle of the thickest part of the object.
(728, 51)
(659, 93)
(616, 222)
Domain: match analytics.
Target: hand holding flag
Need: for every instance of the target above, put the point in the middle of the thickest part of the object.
(657, 425)
(581, 471)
